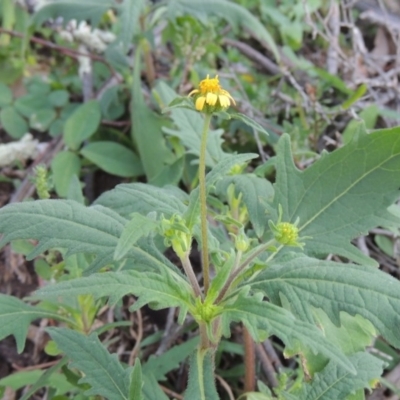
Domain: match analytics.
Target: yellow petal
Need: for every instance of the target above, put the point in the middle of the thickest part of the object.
(200, 103)
(211, 99)
(224, 101)
(193, 92)
(226, 93)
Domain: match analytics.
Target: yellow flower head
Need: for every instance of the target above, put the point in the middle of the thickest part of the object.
(210, 97)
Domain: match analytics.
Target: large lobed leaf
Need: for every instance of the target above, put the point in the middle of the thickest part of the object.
(342, 195)
(335, 383)
(334, 287)
(72, 226)
(258, 315)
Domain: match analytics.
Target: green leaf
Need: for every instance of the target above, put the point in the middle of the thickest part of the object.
(47, 378)
(59, 98)
(231, 12)
(75, 191)
(113, 158)
(6, 96)
(334, 287)
(126, 199)
(353, 335)
(31, 103)
(82, 124)
(84, 228)
(136, 228)
(16, 316)
(146, 128)
(151, 389)
(130, 13)
(159, 366)
(101, 370)
(136, 382)
(255, 193)
(42, 119)
(201, 385)
(162, 290)
(343, 194)
(188, 128)
(92, 230)
(91, 10)
(13, 123)
(19, 380)
(334, 382)
(259, 315)
(368, 117)
(358, 93)
(65, 166)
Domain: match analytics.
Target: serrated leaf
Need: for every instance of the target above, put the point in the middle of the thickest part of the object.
(82, 124)
(189, 127)
(233, 13)
(92, 230)
(159, 366)
(201, 383)
(342, 195)
(256, 191)
(353, 335)
(136, 382)
(335, 287)
(142, 198)
(101, 370)
(137, 227)
(16, 316)
(162, 290)
(335, 383)
(273, 320)
(113, 158)
(92, 10)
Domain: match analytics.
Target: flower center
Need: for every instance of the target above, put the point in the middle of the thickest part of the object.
(209, 85)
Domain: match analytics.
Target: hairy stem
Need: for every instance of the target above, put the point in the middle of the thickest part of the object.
(187, 266)
(249, 362)
(203, 203)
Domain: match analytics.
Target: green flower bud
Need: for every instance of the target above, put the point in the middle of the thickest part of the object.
(41, 182)
(176, 234)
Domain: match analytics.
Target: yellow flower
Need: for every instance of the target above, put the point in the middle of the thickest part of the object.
(210, 97)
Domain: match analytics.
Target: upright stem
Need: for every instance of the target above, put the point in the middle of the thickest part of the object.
(249, 362)
(203, 203)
